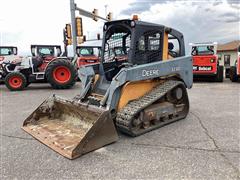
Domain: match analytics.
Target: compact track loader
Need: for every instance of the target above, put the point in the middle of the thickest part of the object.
(142, 93)
(205, 62)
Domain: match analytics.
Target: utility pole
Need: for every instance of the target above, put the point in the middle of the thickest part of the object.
(65, 44)
(74, 34)
(106, 6)
(94, 15)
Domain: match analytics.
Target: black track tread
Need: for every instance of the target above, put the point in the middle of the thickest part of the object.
(15, 74)
(126, 115)
(61, 62)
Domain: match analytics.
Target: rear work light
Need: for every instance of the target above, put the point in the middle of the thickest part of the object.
(212, 60)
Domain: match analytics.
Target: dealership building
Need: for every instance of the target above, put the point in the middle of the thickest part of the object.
(227, 54)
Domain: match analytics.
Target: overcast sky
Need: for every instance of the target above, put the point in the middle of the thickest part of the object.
(25, 22)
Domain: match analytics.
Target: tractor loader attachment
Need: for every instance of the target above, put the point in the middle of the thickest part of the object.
(70, 128)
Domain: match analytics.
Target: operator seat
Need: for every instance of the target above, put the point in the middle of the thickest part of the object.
(171, 52)
(116, 67)
(37, 62)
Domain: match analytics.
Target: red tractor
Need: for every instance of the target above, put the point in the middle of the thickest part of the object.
(205, 62)
(234, 71)
(44, 65)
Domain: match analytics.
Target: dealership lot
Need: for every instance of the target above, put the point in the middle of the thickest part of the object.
(204, 145)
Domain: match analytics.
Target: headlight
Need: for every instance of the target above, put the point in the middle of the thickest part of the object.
(212, 60)
(133, 23)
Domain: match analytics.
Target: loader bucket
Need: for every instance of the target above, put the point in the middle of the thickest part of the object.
(70, 128)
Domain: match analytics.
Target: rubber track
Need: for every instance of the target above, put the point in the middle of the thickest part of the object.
(126, 115)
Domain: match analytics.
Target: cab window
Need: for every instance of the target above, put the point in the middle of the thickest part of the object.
(173, 47)
(86, 51)
(149, 47)
(46, 51)
(5, 51)
(202, 50)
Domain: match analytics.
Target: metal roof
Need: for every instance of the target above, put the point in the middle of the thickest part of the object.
(230, 46)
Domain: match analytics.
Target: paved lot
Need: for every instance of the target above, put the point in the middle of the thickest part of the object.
(205, 145)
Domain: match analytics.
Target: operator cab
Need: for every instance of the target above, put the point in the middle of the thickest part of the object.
(43, 54)
(138, 43)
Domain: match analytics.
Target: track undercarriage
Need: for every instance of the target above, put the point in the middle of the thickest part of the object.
(165, 104)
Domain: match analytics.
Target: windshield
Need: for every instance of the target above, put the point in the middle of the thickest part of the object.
(6, 51)
(88, 51)
(117, 43)
(119, 51)
(202, 50)
(46, 51)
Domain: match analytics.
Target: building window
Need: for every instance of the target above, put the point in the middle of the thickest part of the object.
(219, 57)
(227, 60)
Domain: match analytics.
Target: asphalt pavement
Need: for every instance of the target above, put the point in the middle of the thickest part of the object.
(205, 145)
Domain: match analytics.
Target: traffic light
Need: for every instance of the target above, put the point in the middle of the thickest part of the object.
(79, 29)
(68, 31)
(81, 39)
(109, 16)
(95, 13)
(69, 42)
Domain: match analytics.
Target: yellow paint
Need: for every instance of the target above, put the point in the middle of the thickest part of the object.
(165, 47)
(135, 90)
(96, 77)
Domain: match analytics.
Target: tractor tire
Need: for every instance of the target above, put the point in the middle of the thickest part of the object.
(61, 74)
(233, 74)
(219, 76)
(15, 81)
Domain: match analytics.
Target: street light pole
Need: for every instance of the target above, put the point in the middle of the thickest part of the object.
(106, 6)
(74, 34)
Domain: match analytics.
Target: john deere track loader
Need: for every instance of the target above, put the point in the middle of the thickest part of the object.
(145, 91)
